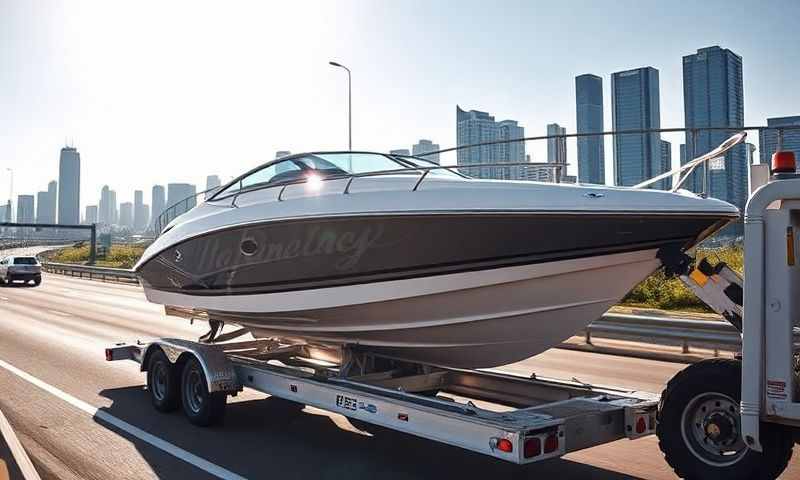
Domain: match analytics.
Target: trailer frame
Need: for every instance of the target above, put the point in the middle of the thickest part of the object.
(512, 418)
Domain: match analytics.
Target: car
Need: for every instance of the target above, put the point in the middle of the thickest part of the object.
(20, 268)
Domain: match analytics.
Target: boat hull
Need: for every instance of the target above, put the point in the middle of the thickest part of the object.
(464, 290)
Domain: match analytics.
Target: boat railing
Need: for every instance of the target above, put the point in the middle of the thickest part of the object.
(768, 135)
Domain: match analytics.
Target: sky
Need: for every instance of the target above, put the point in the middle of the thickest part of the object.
(158, 92)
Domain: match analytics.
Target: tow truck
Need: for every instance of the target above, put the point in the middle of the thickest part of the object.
(717, 419)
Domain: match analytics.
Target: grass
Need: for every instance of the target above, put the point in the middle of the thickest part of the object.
(660, 292)
(119, 256)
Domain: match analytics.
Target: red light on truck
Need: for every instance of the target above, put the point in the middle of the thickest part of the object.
(505, 445)
(551, 444)
(783, 162)
(533, 447)
(109, 355)
(641, 425)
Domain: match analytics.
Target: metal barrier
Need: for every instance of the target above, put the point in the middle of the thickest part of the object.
(120, 275)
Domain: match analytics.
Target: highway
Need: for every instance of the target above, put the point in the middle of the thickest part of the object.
(75, 413)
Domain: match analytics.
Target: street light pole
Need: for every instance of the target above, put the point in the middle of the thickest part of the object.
(349, 105)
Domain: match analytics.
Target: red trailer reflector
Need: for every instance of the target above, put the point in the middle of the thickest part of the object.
(641, 425)
(551, 444)
(109, 355)
(505, 445)
(783, 162)
(533, 447)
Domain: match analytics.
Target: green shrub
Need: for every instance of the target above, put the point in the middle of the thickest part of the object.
(118, 256)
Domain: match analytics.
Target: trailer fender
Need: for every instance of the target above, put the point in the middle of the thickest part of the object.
(219, 372)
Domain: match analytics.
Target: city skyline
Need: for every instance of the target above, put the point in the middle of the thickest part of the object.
(52, 98)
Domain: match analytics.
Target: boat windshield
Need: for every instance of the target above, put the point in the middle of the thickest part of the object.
(319, 164)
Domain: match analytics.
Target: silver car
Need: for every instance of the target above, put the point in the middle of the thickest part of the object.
(24, 269)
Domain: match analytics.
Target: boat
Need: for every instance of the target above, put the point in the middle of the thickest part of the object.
(415, 261)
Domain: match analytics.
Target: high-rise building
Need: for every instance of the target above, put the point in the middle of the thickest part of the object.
(666, 163)
(141, 215)
(422, 147)
(5, 212)
(107, 212)
(476, 127)
(768, 141)
(400, 151)
(91, 215)
(557, 147)
(181, 196)
(589, 116)
(212, 181)
(511, 152)
(713, 97)
(46, 204)
(158, 201)
(25, 210)
(282, 153)
(751, 153)
(126, 214)
(69, 186)
(635, 106)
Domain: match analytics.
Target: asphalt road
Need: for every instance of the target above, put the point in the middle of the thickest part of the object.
(54, 336)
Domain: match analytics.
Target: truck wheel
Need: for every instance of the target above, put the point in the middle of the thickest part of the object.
(699, 427)
(163, 382)
(201, 407)
(37, 281)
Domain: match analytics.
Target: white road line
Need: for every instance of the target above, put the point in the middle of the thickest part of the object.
(20, 456)
(157, 442)
(59, 312)
(5, 299)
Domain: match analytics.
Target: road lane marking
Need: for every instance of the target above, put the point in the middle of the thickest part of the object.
(146, 437)
(59, 312)
(19, 455)
(5, 299)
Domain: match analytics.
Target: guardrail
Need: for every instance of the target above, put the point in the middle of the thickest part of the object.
(644, 328)
(120, 275)
(681, 331)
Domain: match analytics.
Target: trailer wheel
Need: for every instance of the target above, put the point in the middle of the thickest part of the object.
(163, 382)
(699, 427)
(202, 408)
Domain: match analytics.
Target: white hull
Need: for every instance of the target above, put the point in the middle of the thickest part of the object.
(470, 319)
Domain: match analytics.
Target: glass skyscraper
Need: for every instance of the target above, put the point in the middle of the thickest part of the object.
(69, 187)
(589, 115)
(712, 97)
(476, 127)
(635, 106)
(768, 141)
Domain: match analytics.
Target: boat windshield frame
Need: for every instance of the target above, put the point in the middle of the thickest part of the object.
(405, 163)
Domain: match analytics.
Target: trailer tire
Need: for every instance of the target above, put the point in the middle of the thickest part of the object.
(698, 419)
(163, 382)
(202, 408)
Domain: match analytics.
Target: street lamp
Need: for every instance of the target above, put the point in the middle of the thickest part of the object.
(349, 106)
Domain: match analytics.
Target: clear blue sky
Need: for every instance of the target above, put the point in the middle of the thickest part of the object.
(153, 92)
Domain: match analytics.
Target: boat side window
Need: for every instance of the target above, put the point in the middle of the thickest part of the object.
(277, 172)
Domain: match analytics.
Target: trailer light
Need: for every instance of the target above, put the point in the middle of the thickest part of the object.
(641, 425)
(551, 443)
(505, 445)
(783, 162)
(533, 447)
(109, 355)
(790, 246)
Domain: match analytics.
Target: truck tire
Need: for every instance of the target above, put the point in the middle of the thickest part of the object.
(163, 382)
(202, 408)
(699, 427)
